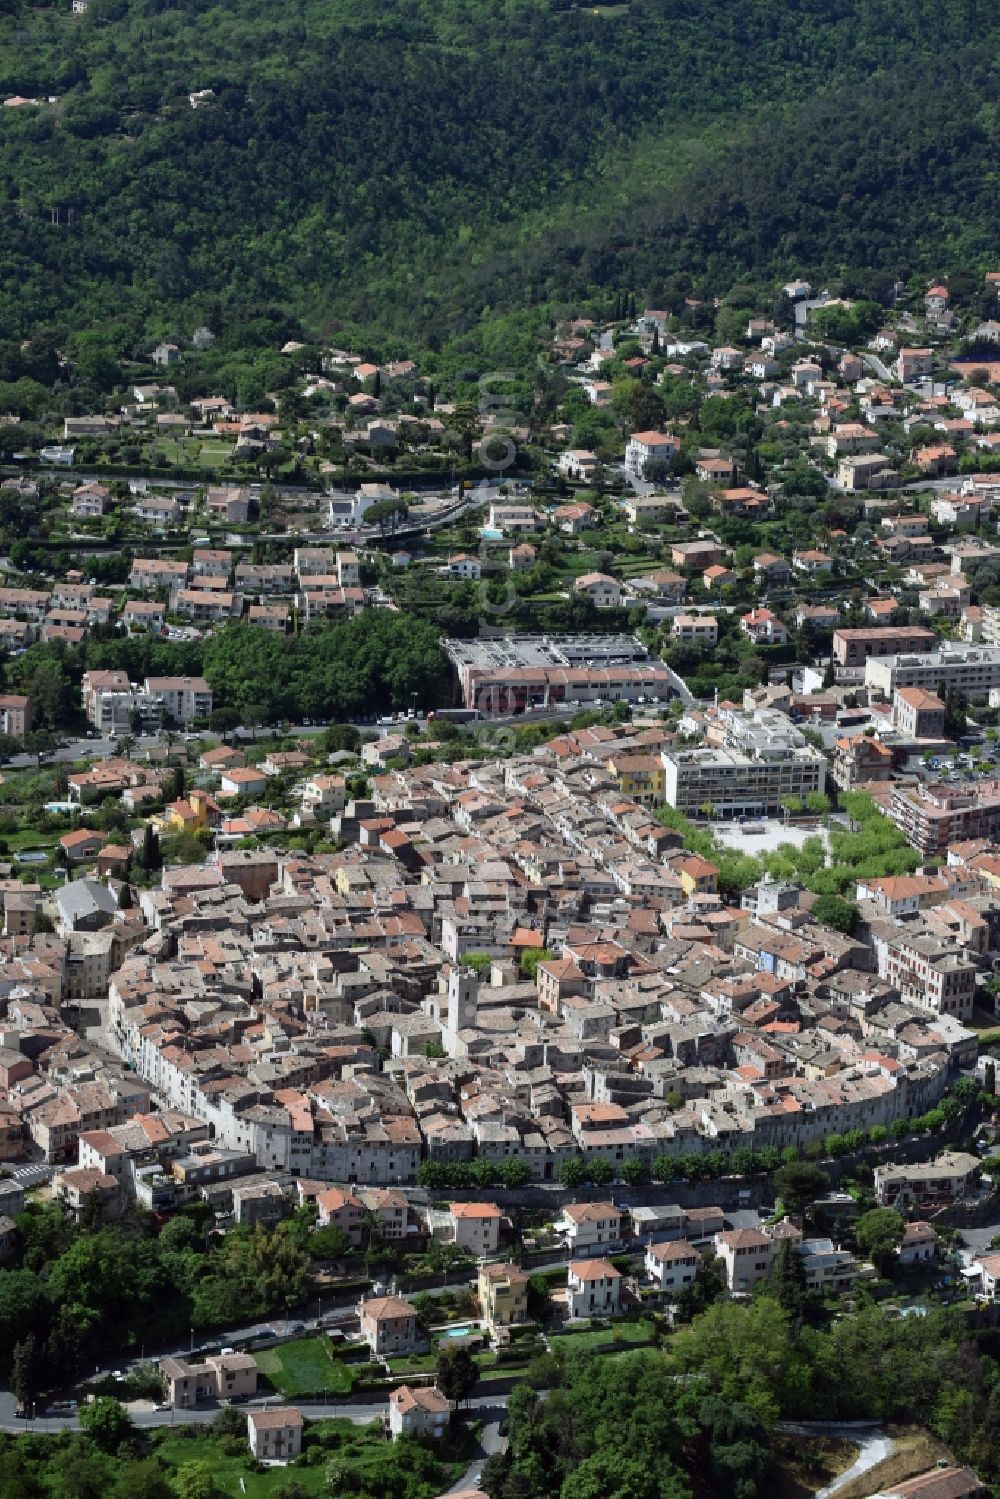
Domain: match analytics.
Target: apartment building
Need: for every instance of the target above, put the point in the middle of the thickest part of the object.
(762, 761)
(972, 670)
(949, 1178)
(695, 629)
(642, 447)
(918, 713)
(912, 363)
(928, 972)
(865, 471)
(114, 706)
(933, 816)
(857, 647)
(183, 698)
(15, 715)
(640, 778)
(849, 438)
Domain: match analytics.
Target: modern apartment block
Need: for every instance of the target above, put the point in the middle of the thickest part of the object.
(183, 698)
(932, 816)
(761, 762)
(114, 705)
(972, 670)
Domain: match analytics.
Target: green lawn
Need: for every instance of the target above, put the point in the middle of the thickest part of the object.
(305, 1367)
(371, 1462)
(26, 838)
(608, 1339)
(414, 1363)
(227, 1471)
(214, 454)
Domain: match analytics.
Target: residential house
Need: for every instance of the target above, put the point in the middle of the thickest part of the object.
(812, 562)
(475, 1226)
(422, 1412)
(770, 571)
(503, 1296)
(604, 591)
(763, 627)
(341, 1209)
(80, 846)
(589, 1225)
(593, 1289)
(919, 1244)
(463, 565)
(578, 464)
(521, 557)
(275, 1433)
(746, 1255)
(389, 1325)
(245, 780)
(90, 501)
(672, 1265)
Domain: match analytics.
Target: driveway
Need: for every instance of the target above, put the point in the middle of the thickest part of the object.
(874, 1447)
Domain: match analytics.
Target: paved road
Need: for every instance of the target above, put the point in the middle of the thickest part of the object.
(490, 1441)
(879, 368)
(978, 1239)
(146, 1415)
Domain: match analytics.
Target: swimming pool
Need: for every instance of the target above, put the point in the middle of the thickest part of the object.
(462, 1330)
(32, 856)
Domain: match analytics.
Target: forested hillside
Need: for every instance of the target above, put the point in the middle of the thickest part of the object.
(410, 165)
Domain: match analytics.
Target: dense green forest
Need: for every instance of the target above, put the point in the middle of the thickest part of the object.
(700, 1418)
(376, 661)
(415, 168)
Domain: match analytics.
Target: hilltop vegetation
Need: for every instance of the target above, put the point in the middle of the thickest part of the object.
(415, 168)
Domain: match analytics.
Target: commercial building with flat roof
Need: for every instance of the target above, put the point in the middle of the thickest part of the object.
(511, 674)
